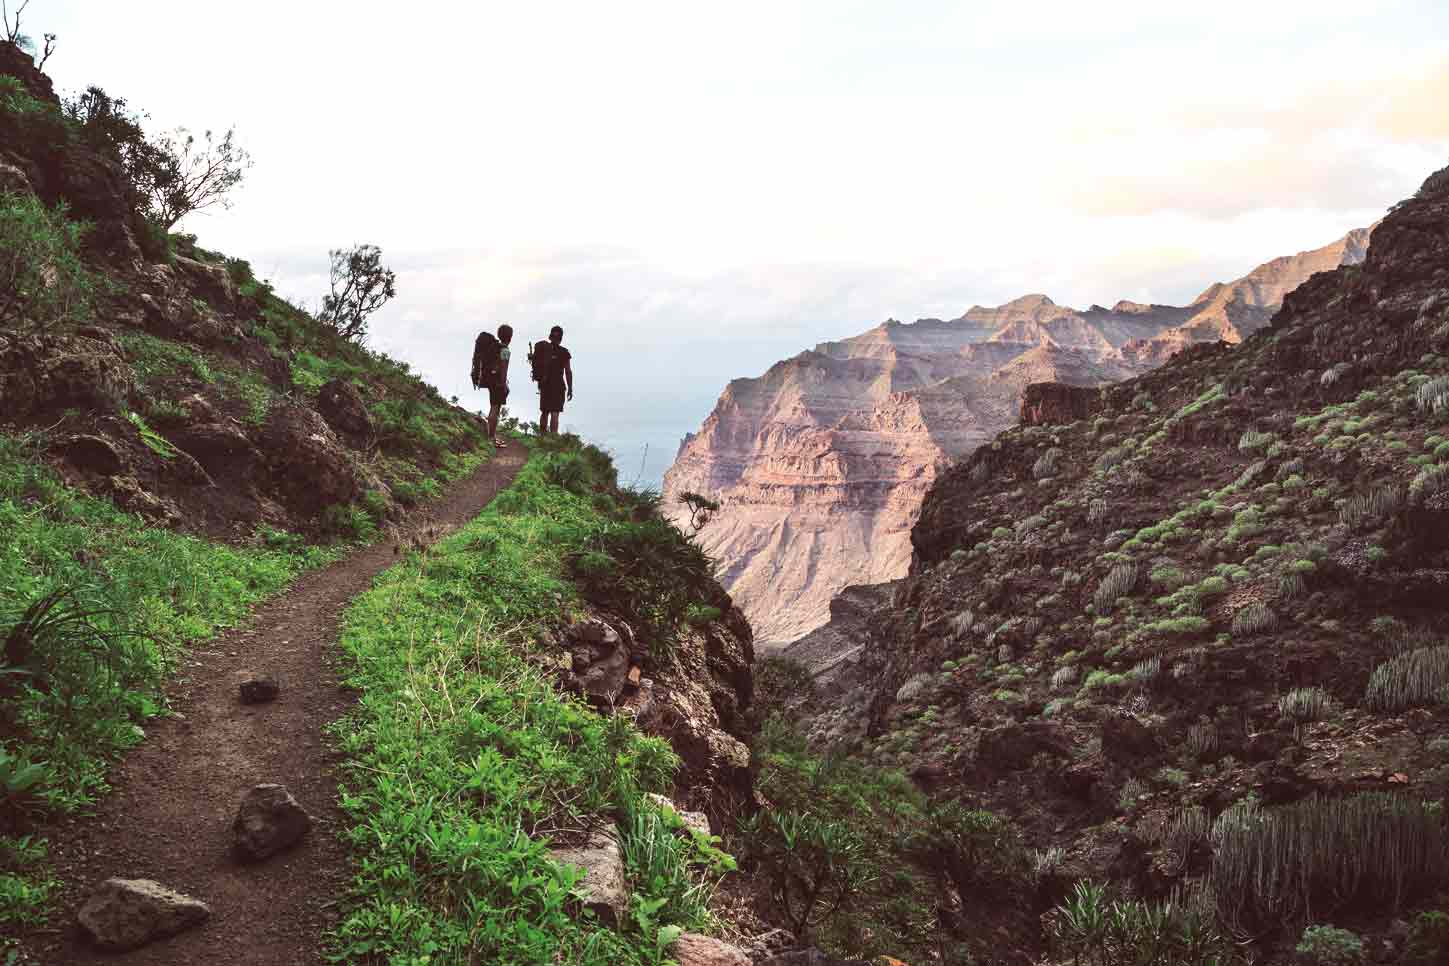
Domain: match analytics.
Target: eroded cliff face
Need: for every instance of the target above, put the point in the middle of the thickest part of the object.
(821, 464)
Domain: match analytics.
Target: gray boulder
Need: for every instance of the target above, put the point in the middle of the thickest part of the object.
(268, 821)
(126, 913)
(604, 888)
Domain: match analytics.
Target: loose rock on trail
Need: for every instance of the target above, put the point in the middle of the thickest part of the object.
(175, 797)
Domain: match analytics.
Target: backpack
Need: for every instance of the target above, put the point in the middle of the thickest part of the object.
(487, 350)
(546, 362)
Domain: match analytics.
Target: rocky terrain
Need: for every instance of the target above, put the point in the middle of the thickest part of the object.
(1188, 630)
(821, 464)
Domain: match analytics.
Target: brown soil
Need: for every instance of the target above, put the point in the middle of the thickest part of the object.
(169, 817)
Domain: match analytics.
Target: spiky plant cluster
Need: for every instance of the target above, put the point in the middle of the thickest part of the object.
(1180, 834)
(1045, 862)
(1430, 481)
(1004, 654)
(1412, 679)
(1291, 586)
(1202, 738)
(1097, 510)
(980, 472)
(1253, 618)
(1065, 677)
(1146, 671)
(1434, 395)
(1253, 440)
(1306, 704)
(1132, 789)
(1117, 584)
(1112, 457)
(962, 622)
(1373, 508)
(1365, 851)
(1047, 464)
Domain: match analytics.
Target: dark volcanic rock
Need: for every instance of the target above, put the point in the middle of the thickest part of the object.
(257, 688)
(125, 914)
(341, 405)
(220, 447)
(309, 467)
(94, 454)
(269, 821)
(46, 372)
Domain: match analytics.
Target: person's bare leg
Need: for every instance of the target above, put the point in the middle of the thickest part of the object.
(553, 422)
(493, 423)
(542, 423)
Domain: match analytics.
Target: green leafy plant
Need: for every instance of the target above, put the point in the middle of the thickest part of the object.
(1329, 946)
(43, 281)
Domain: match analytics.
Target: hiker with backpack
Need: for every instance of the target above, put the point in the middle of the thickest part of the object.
(490, 370)
(554, 373)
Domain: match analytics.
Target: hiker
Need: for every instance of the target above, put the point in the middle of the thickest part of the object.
(554, 373)
(490, 370)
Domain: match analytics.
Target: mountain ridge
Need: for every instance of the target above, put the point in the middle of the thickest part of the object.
(821, 463)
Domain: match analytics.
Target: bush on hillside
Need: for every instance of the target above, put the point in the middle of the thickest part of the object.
(1372, 850)
(361, 284)
(42, 279)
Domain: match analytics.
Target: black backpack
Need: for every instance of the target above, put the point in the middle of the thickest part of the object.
(545, 361)
(487, 350)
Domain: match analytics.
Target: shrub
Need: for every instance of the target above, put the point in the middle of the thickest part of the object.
(1117, 584)
(1329, 946)
(1433, 396)
(1369, 851)
(1306, 704)
(1178, 626)
(1094, 929)
(1064, 677)
(1373, 508)
(361, 285)
(1429, 939)
(1413, 679)
(42, 279)
(1252, 440)
(1047, 464)
(1252, 619)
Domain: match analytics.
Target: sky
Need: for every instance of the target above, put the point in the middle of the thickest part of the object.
(695, 191)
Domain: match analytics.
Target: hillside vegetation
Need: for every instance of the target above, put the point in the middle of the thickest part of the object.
(178, 442)
(1189, 632)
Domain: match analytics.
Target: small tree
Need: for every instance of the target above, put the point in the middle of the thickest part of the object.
(196, 174)
(361, 285)
(12, 24)
(701, 509)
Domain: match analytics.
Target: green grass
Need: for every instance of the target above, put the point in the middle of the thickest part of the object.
(125, 600)
(463, 760)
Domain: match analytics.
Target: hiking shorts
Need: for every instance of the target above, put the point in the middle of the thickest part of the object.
(551, 397)
(498, 395)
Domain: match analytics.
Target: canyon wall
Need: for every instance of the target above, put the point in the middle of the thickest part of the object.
(821, 464)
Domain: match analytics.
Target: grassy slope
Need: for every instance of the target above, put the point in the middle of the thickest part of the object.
(84, 686)
(464, 761)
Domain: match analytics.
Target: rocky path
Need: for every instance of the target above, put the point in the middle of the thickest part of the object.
(169, 817)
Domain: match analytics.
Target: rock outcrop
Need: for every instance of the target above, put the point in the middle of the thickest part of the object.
(821, 464)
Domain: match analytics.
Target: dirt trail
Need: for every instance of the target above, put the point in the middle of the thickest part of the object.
(170, 814)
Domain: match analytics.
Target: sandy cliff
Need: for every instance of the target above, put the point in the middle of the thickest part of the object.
(821, 464)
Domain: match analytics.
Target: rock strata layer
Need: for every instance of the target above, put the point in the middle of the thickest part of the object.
(821, 464)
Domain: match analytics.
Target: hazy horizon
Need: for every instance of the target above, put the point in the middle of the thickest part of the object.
(696, 194)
